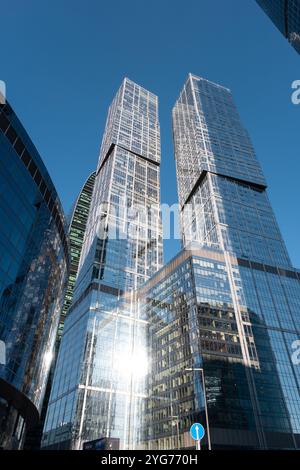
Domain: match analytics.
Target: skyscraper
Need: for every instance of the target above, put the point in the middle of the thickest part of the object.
(33, 267)
(98, 387)
(77, 229)
(285, 14)
(221, 187)
(223, 314)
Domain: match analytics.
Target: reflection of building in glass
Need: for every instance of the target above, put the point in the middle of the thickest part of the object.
(199, 319)
(230, 302)
(76, 235)
(285, 14)
(98, 386)
(33, 262)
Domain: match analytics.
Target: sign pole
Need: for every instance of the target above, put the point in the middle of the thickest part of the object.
(198, 438)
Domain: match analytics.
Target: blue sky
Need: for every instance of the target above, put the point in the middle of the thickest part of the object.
(63, 60)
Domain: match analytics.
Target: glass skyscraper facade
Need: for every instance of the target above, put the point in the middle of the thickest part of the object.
(99, 382)
(285, 14)
(77, 229)
(33, 267)
(226, 309)
(220, 182)
(251, 384)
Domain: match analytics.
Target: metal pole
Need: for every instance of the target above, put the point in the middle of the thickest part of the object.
(178, 439)
(172, 417)
(206, 410)
(191, 369)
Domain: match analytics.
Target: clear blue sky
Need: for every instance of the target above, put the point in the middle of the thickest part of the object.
(63, 60)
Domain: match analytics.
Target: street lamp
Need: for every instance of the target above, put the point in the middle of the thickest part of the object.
(176, 421)
(200, 369)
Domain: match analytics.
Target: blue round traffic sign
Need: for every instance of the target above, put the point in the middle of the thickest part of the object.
(197, 431)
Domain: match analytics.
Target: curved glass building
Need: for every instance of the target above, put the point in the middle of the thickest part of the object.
(76, 236)
(33, 266)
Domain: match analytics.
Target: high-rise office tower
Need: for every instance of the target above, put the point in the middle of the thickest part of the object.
(33, 267)
(77, 229)
(217, 173)
(98, 385)
(285, 14)
(224, 314)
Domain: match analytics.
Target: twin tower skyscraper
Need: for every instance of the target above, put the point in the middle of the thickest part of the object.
(147, 350)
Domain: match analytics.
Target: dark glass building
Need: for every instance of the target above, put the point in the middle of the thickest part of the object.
(33, 266)
(224, 314)
(250, 382)
(285, 14)
(77, 228)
